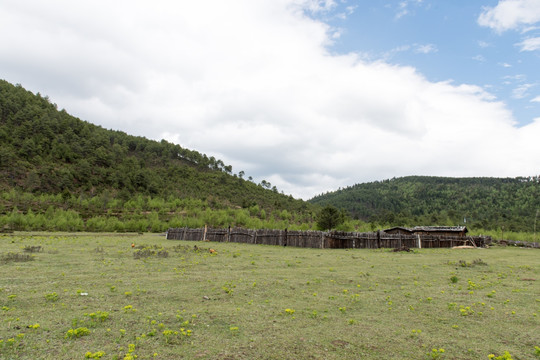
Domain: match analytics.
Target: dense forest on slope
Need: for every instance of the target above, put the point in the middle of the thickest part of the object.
(488, 203)
(58, 172)
(49, 158)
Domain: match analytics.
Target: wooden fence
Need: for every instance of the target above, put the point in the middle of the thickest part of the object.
(324, 240)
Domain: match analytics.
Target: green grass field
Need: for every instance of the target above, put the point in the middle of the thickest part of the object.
(94, 295)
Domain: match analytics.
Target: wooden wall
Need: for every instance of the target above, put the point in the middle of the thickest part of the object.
(323, 240)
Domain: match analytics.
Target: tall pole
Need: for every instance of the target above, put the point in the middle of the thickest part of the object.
(535, 224)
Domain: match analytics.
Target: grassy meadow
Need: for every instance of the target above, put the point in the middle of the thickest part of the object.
(84, 295)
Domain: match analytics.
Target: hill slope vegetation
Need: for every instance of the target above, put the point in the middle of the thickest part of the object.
(487, 203)
(50, 158)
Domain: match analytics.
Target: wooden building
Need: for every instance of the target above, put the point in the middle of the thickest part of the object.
(454, 231)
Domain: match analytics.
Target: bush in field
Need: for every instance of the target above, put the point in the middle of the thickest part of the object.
(14, 257)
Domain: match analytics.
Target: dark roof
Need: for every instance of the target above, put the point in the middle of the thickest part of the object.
(398, 228)
(430, 229)
(440, 228)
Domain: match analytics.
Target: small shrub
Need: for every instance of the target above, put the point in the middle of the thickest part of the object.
(76, 333)
(96, 355)
(52, 297)
(14, 257)
(145, 251)
(480, 262)
(98, 316)
(33, 249)
(505, 356)
(162, 253)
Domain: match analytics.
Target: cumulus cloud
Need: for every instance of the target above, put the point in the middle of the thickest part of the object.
(253, 83)
(530, 44)
(536, 99)
(510, 14)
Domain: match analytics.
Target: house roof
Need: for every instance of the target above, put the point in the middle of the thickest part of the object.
(440, 228)
(430, 229)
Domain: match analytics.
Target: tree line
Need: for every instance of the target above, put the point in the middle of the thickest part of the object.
(58, 172)
(47, 151)
(479, 203)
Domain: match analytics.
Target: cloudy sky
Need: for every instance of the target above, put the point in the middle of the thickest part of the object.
(309, 95)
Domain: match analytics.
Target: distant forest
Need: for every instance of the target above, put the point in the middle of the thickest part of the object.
(510, 204)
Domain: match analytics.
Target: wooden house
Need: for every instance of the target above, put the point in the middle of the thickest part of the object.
(452, 231)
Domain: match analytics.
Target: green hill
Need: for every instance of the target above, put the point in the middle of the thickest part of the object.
(486, 203)
(58, 172)
(49, 158)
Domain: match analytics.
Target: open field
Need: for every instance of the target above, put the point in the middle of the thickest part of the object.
(92, 295)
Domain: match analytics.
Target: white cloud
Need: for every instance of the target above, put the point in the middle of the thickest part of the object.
(536, 99)
(252, 83)
(521, 91)
(317, 6)
(510, 14)
(416, 48)
(479, 58)
(517, 77)
(506, 65)
(529, 29)
(404, 6)
(426, 49)
(530, 44)
(483, 44)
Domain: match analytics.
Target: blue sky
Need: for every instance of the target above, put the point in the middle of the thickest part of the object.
(309, 95)
(444, 40)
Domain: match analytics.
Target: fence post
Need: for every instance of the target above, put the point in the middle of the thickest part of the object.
(322, 240)
(204, 233)
(184, 230)
(378, 239)
(419, 241)
(229, 234)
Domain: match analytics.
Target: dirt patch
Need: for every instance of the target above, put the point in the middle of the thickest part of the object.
(339, 343)
(403, 248)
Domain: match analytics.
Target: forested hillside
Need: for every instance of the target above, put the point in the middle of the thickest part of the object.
(487, 203)
(58, 172)
(50, 158)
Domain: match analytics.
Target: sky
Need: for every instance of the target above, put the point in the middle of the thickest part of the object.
(309, 95)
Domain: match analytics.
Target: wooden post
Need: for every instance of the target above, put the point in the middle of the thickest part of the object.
(285, 237)
(229, 234)
(378, 239)
(322, 240)
(184, 233)
(204, 233)
(419, 241)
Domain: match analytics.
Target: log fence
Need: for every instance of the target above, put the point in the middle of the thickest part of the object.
(324, 240)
